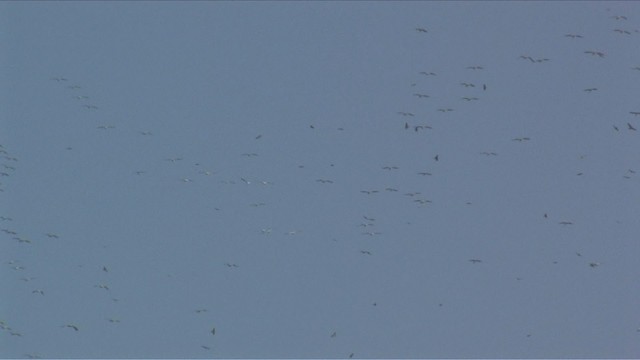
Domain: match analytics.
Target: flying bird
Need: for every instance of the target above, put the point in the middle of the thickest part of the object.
(619, 17)
(475, 261)
(422, 30)
(622, 31)
(72, 326)
(595, 53)
(213, 331)
(631, 127)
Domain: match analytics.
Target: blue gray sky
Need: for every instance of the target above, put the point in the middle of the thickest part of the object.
(288, 174)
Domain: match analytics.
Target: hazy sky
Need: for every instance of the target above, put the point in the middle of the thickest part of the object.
(290, 167)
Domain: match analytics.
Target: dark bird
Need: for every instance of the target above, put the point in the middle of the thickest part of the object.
(620, 31)
(484, 87)
(213, 331)
(595, 53)
(594, 264)
(590, 89)
(467, 84)
(631, 127)
(406, 125)
(333, 335)
(573, 36)
(422, 30)
(74, 327)
(365, 252)
(435, 158)
(526, 57)
(636, 113)
(475, 261)
(427, 73)
(565, 223)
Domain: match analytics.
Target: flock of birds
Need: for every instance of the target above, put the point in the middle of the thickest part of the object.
(409, 120)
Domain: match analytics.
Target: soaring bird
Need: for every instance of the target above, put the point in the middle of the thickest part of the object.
(72, 326)
(475, 261)
(631, 127)
(595, 53)
(422, 30)
(619, 17)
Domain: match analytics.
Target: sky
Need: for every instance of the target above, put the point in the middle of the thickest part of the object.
(289, 174)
